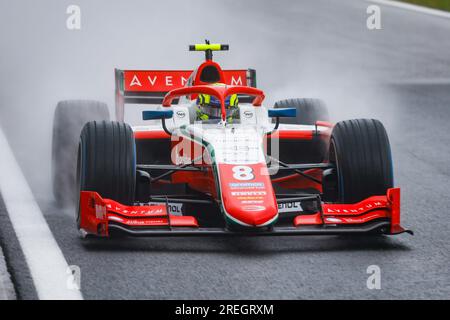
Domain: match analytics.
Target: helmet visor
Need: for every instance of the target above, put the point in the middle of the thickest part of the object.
(216, 113)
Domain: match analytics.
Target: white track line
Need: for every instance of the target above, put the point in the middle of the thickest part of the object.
(413, 7)
(6, 287)
(44, 258)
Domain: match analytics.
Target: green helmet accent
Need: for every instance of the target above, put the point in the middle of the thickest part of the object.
(209, 107)
(233, 100)
(207, 100)
(204, 99)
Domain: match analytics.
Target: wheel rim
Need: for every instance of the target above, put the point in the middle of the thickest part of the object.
(334, 160)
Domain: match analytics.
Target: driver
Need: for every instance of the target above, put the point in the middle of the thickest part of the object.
(208, 107)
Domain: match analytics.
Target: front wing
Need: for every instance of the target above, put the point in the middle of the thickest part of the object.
(377, 214)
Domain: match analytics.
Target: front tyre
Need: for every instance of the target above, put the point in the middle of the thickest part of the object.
(107, 161)
(361, 153)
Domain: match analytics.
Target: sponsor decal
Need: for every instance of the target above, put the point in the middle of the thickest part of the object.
(248, 114)
(138, 222)
(252, 201)
(141, 222)
(333, 220)
(254, 208)
(181, 114)
(158, 210)
(259, 185)
(158, 80)
(249, 198)
(290, 207)
(155, 80)
(248, 193)
(352, 209)
(175, 209)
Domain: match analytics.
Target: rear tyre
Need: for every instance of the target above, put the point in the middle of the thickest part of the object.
(69, 118)
(361, 153)
(308, 111)
(107, 161)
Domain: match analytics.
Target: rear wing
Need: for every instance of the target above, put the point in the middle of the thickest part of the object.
(150, 86)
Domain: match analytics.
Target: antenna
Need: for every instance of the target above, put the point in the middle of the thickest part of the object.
(209, 48)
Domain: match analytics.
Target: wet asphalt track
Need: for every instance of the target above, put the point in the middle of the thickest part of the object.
(400, 74)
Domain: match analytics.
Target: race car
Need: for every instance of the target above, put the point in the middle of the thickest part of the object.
(285, 170)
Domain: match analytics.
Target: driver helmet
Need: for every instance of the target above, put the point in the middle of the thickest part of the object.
(209, 107)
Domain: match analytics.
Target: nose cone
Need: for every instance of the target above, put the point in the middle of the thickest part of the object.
(247, 195)
(252, 215)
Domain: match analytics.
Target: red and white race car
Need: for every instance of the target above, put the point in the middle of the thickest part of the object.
(284, 170)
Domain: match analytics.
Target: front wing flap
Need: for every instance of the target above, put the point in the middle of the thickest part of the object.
(97, 215)
(371, 209)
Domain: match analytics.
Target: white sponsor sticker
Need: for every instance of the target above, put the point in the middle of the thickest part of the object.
(289, 207)
(174, 208)
(254, 208)
(247, 185)
(333, 220)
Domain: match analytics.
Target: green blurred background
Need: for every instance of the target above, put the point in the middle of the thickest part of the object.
(437, 4)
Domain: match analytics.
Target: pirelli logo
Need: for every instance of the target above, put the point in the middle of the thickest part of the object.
(248, 193)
